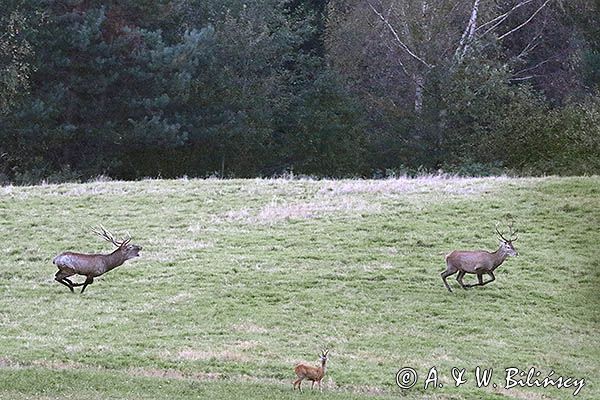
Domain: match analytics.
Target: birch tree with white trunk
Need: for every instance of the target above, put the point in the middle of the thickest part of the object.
(424, 35)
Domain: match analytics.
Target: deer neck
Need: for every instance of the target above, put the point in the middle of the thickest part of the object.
(114, 259)
(499, 256)
(323, 366)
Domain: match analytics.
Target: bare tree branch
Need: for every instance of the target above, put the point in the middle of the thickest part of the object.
(399, 61)
(524, 78)
(502, 17)
(526, 22)
(397, 37)
(534, 67)
(529, 48)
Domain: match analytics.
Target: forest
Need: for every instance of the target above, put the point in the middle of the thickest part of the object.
(327, 88)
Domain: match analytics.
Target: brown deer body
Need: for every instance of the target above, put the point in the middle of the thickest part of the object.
(93, 265)
(478, 262)
(314, 374)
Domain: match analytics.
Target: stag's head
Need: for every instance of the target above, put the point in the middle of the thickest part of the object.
(324, 354)
(507, 244)
(131, 250)
(124, 246)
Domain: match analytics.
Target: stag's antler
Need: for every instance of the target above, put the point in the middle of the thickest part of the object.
(513, 233)
(106, 235)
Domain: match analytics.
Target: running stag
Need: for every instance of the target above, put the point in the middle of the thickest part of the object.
(479, 262)
(93, 265)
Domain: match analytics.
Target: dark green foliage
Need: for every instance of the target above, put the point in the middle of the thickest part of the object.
(490, 122)
(169, 88)
(591, 61)
(321, 131)
(15, 52)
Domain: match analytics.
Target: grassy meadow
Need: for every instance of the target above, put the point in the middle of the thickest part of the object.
(239, 280)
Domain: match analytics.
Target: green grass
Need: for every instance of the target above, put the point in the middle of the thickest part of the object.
(239, 280)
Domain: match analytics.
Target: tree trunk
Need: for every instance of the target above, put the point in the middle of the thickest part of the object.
(419, 89)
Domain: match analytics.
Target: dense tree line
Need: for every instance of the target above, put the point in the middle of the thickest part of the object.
(169, 88)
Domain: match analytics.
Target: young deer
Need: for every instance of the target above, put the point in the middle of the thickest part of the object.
(314, 374)
(479, 262)
(93, 265)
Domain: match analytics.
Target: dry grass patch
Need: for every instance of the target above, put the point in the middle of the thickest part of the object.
(180, 298)
(234, 353)
(249, 327)
(280, 210)
(173, 374)
(520, 394)
(171, 248)
(205, 355)
(49, 364)
(425, 184)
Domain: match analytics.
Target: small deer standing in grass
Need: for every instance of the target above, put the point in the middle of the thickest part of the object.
(479, 262)
(93, 265)
(314, 374)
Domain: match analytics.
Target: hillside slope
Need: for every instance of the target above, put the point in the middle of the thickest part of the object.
(239, 280)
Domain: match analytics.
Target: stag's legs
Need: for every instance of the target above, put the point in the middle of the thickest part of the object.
(446, 274)
(312, 385)
(89, 280)
(62, 277)
(65, 282)
(460, 277)
(480, 279)
(491, 274)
